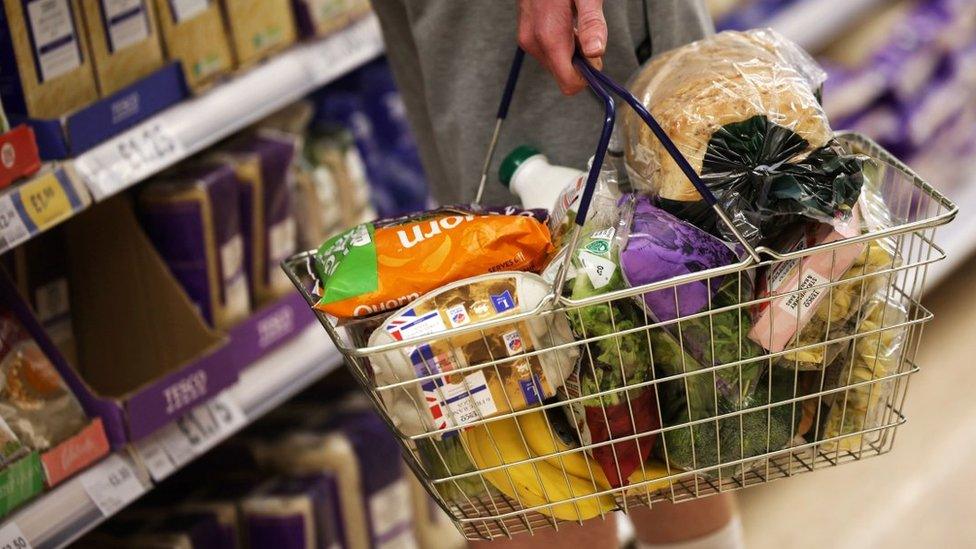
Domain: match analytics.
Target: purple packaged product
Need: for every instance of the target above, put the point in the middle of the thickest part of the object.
(847, 92)
(913, 55)
(337, 109)
(294, 512)
(193, 220)
(386, 494)
(267, 223)
(659, 247)
(949, 93)
(224, 517)
(384, 106)
(750, 15)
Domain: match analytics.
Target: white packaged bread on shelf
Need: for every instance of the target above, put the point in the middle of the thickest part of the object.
(355, 448)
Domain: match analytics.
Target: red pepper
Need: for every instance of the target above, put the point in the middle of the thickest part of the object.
(629, 454)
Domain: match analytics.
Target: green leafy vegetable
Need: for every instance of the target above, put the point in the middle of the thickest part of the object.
(618, 361)
(712, 443)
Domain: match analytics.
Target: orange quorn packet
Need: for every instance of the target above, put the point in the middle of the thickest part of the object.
(382, 266)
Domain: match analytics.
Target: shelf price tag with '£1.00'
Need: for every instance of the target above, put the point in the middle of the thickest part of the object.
(129, 158)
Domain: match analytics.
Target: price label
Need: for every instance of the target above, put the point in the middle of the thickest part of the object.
(112, 484)
(191, 435)
(45, 201)
(155, 458)
(129, 158)
(13, 230)
(12, 538)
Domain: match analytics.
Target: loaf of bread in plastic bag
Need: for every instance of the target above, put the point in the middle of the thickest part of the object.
(730, 77)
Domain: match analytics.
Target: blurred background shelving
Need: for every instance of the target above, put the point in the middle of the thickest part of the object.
(901, 71)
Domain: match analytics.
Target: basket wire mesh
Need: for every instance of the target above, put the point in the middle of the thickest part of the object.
(832, 396)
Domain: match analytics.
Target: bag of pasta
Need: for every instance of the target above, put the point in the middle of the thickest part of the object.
(868, 368)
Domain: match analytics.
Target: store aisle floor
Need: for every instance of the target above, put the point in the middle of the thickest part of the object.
(919, 495)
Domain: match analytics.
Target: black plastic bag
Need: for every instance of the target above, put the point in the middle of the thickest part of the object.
(752, 168)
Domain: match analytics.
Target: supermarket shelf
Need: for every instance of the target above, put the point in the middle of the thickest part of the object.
(33, 206)
(814, 24)
(188, 128)
(69, 511)
(198, 123)
(64, 514)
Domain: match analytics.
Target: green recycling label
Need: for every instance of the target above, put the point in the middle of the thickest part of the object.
(346, 265)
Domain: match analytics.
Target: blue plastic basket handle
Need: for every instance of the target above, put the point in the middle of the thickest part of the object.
(599, 83)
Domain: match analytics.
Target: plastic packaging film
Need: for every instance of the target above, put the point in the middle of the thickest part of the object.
(873, 357)
(835, 317)
(743, 108)
(507, 381)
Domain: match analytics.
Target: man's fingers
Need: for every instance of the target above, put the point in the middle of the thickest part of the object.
(526, 29)
(591, 27)
(554, 34)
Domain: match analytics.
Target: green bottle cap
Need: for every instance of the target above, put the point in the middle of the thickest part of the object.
(512, 162)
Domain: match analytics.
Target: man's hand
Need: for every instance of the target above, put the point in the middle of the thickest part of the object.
(546, 31)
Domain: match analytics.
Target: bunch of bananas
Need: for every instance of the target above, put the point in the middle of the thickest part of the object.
(566, 487)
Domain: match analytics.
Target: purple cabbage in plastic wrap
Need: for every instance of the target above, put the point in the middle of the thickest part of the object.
(660, 247)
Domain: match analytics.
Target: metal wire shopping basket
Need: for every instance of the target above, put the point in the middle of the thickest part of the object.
(713, 412)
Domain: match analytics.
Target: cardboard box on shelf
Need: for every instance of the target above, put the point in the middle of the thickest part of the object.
(145, 355)
(259, 28)
(123, 40)
(75, 133)
(45, 70)
(141, 341)
(193, 34)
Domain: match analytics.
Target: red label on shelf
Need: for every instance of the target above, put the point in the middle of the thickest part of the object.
(75, 454)
(18, 155)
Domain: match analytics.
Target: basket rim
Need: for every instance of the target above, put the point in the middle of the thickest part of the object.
(296, 266)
